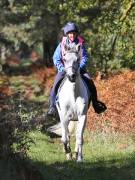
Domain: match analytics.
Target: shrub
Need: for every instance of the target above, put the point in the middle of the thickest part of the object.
(14, 128)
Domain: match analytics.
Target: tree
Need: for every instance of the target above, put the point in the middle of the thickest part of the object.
(108, 27)
(112, 35)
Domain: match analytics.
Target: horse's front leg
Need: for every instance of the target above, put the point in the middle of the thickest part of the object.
(67, 150)
(66, 139)
(79, 137)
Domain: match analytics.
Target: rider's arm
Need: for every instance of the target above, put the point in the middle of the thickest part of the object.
(57, 59)
(84, 59)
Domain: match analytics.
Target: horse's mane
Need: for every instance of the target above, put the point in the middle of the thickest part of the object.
(72, 48)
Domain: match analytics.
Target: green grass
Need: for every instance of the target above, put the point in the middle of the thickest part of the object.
(7, 170)
(106, 157)
(20, 84)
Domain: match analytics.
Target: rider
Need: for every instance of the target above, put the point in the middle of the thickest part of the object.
(72, 36)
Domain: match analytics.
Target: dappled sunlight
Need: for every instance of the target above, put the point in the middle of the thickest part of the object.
(104, 160)
(109, 154)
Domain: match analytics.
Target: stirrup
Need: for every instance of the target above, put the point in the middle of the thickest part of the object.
(99, 107)
(51, 111)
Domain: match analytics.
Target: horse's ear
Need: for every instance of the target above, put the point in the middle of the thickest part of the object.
(78, 47)
(66, 47)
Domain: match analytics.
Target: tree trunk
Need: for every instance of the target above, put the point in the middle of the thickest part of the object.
(48, 50)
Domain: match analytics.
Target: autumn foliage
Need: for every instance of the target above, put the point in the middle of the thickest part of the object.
(117, 91)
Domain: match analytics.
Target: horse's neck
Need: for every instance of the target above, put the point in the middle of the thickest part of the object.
(74, 88)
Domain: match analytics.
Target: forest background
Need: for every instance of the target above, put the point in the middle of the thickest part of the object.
(108, 27)
(30, 30)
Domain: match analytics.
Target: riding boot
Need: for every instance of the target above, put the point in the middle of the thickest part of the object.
(98, 106)
(52, 108)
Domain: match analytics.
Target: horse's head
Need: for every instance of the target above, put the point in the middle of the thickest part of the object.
(71, 60)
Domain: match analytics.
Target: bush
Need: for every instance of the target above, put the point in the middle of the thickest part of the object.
(14, 128)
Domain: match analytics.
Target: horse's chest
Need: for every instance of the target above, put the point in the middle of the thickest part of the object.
(72, 101)
(75, 107)
(71, 112)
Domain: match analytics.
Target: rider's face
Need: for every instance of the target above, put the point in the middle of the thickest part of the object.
(72, 35)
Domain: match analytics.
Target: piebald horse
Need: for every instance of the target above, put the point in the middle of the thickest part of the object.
(73, 101)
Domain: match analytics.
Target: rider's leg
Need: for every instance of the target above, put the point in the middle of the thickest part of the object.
(98, 106)
(58, 79)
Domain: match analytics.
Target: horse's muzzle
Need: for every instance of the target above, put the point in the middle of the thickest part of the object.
(72, 77)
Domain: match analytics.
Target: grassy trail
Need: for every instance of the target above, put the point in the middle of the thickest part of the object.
(106, 157)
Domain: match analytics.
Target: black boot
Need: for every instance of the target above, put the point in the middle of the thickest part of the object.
(52, 109)
(98, 106)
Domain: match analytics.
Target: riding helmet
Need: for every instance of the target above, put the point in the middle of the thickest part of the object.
(70, 26)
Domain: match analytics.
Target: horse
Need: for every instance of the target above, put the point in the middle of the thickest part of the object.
(72, 101)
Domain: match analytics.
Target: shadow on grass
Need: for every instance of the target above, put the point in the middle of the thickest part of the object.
(102, 170)
(68, 170)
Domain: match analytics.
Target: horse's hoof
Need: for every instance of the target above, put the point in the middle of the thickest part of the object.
(74, 156)
(79, 159)
(69, 156)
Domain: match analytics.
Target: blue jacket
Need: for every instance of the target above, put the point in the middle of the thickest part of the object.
(57, 57)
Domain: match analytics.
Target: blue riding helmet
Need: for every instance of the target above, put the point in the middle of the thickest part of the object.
(70, 27)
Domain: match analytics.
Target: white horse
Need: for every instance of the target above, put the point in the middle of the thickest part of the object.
(73, 101)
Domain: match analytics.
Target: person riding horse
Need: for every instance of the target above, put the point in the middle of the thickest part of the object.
(72, 37)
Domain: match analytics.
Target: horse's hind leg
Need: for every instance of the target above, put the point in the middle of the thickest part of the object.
(79, 137)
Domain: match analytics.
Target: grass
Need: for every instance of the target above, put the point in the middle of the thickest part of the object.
(7, 170)
(106, 157)
(31, 86)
